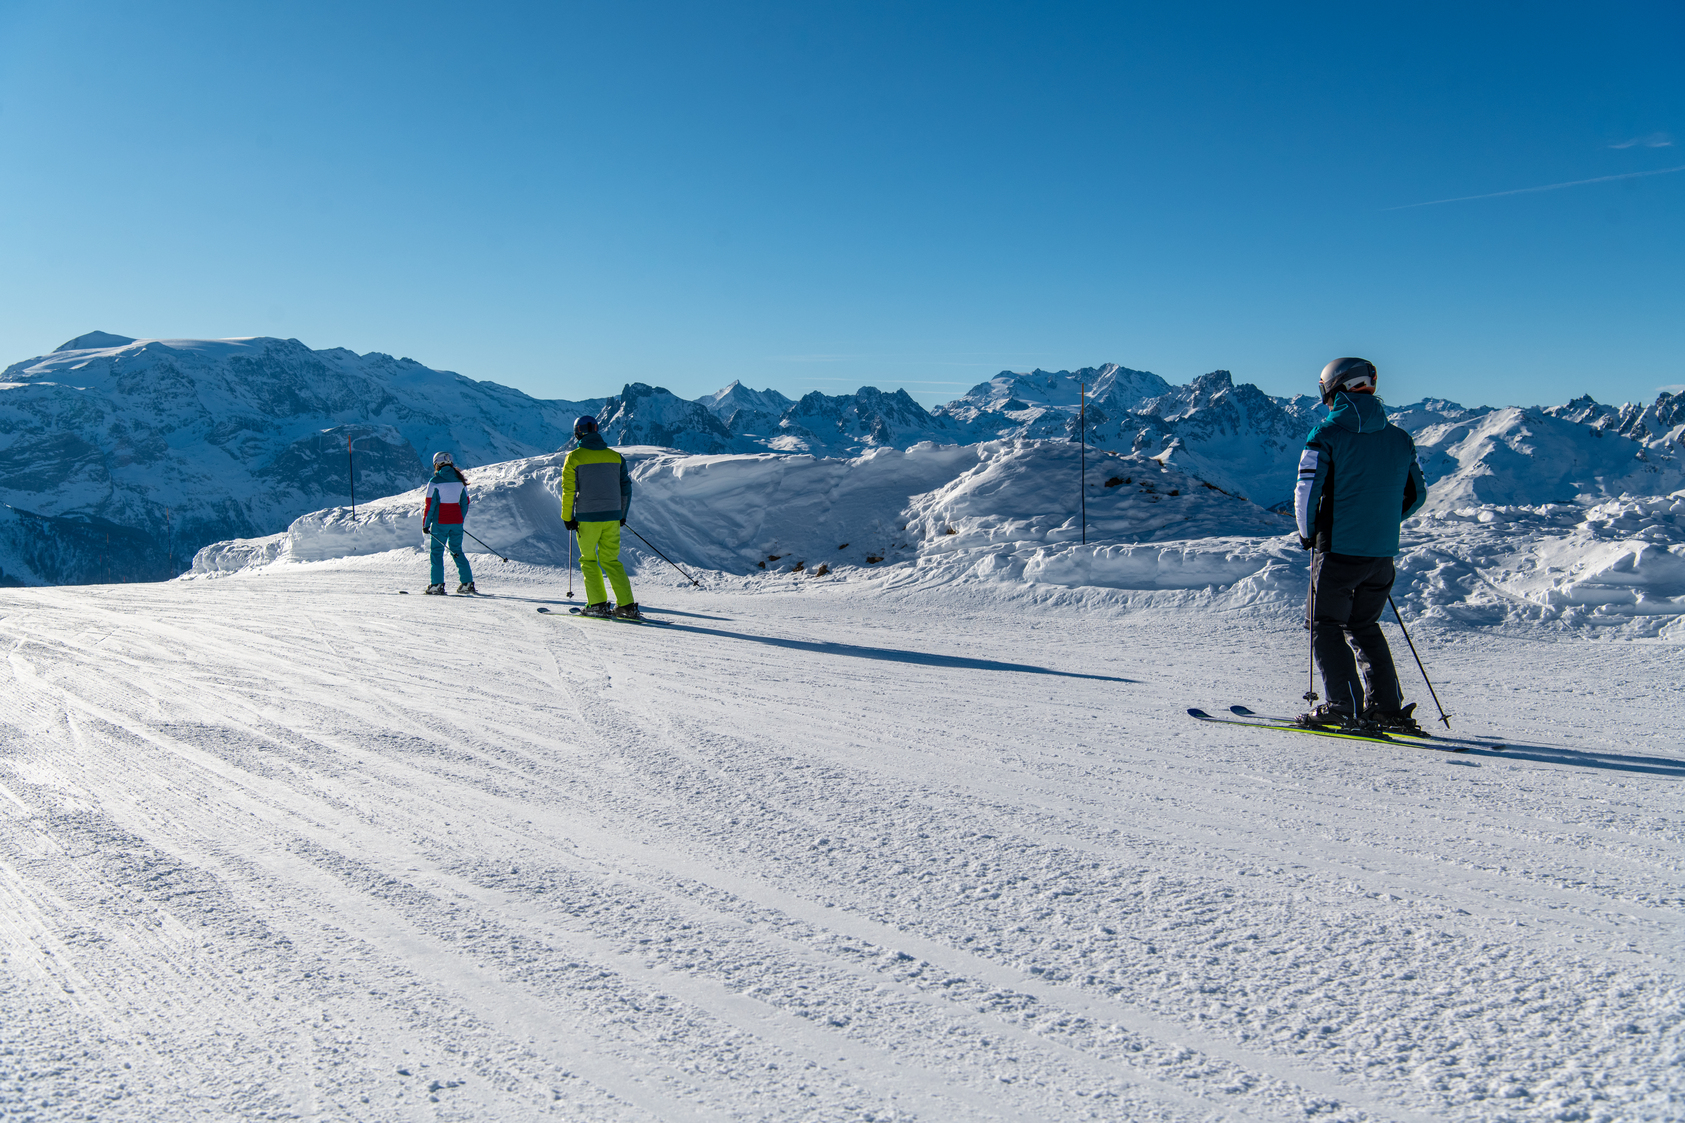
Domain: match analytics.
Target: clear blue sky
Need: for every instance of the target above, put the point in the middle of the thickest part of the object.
(566, 197)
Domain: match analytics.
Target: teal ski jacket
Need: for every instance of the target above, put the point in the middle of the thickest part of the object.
(1358, 479)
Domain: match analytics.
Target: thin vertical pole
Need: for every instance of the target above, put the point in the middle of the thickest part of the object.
(1082, 436)
(351, 474)
(1310, 627)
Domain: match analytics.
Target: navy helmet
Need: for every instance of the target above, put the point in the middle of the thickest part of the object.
(584, 426)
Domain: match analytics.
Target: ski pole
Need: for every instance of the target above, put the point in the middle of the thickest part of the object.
(1310, 627)
(666, 559)
(489, 550)
(454, 553)
(571, 544)
(1443, 716)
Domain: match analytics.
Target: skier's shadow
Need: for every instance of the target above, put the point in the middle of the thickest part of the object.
(920, 658)
(1669, 767)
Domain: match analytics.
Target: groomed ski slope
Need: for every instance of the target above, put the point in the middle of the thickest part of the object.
(287, 845)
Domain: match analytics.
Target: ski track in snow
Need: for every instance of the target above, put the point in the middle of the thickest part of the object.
(281, 846)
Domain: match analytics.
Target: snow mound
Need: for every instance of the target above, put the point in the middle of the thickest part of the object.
(1005, 516)
(1616, 566)
(999, 511)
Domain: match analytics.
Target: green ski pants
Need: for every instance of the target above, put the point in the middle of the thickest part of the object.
(599, 553)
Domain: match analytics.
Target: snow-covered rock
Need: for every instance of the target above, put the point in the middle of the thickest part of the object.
(651, 415)
(848, 424)
(745, 412)
(49, 550)
(1662, 421)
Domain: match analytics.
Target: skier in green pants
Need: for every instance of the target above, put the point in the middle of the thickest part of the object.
(596, 494)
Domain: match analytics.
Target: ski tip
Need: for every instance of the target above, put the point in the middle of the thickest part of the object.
(1197, 713)
(1241, 710)
(546, 611)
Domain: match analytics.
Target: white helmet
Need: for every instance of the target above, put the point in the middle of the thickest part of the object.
(440, 458)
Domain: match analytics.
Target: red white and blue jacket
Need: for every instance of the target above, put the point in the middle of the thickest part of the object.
(447, 499)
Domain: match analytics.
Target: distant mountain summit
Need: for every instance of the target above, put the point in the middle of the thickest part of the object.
(93, 341)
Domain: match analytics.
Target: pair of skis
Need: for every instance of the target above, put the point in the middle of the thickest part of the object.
(575, 610)
(1244, 716)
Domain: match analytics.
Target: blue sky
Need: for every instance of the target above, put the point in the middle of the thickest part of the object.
(567, 197)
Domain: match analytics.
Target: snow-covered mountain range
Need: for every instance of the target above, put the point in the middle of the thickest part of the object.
(185, 442)
(165, 446)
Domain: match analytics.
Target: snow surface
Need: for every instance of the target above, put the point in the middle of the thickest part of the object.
(284, 844)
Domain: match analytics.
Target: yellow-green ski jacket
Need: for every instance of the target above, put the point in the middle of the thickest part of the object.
(596, 487)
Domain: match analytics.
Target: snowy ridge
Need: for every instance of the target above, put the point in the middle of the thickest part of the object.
(194, 441)
(1529, 456)
(1003, 516)
(188, 442)
(1616, 567)
(945, 513)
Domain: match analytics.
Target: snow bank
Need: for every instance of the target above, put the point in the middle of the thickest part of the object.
(1618, 565)
(999, 511)
(1007, 515)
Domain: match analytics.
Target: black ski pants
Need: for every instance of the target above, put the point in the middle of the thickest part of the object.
(1347, 597)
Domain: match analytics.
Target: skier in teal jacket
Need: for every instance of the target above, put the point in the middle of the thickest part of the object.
(1358, 479)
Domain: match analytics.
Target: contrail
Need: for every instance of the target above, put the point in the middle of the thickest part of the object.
(1546, 187)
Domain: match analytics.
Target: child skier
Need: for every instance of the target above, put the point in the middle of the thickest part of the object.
(1358, 479)
(596, 494)
(441, 521)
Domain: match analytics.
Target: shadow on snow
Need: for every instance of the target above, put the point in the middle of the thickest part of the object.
(920, 658)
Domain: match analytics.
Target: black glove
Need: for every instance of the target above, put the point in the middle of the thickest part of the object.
(1307, 543)
(571, 524)
(622, 522)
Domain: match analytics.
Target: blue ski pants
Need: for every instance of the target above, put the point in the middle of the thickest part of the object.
(440, 537)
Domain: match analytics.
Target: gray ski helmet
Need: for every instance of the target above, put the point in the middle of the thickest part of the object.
(442, 458)
(1347, 374)
(585, 425)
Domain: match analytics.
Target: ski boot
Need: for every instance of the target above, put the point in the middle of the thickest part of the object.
(468, 588)
(1396, 721)
(434, 590)
(599, 609)
(1326, 716)
(628, 611)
